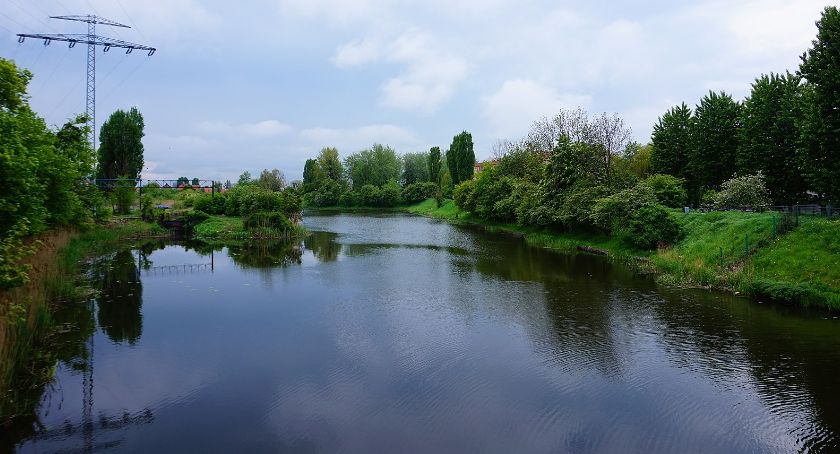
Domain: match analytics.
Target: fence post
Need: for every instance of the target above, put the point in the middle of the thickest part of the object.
(796, 213)
(141, 197)
(828, 211)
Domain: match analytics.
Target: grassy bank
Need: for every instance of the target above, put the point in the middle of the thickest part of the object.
(26, 313)
(232, 228)
(730, 251)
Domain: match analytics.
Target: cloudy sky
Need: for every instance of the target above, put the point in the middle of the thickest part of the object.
(266, 83)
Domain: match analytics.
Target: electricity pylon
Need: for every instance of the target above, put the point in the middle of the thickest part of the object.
(92, 40)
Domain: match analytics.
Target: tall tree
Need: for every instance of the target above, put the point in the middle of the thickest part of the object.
(330, 165)
(273, 180)
(375, 166)
(415, 168)
(714, 143)
(121, 145)
(612, 135)
(820, 151)
(769, 136)
(310, 174)
(461, 157)
(671, 142)
(434, 165)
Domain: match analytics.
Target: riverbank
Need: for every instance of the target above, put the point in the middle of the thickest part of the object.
(27, 325)
(730, 251)
(232, 228)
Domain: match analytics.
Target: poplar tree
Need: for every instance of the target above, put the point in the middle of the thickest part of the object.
(121, 145)
(461, 158)
(671, 142)
(434, 164)
(820, 128)
(769, 136)
(714, 143)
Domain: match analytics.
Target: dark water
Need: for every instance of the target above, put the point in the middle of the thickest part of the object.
(402, 334)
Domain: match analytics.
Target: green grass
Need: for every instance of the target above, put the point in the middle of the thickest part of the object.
(219, 227)
(228, 228)
(447, 210)
(802, 266)
(568, 242)
(715, 250)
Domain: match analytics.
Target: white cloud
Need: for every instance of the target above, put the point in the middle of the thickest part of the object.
(349, 140)
(520, 101)
(429, 76)
(356, 53)
(265, 128)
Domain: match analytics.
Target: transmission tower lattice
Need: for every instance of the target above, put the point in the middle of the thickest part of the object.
(92, 40)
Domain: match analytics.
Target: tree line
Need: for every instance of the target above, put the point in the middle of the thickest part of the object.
(788, 129)
(379, 177)
(48, 174)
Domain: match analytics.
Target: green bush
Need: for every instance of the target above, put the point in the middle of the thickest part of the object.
(745, 191)
(651, 226)
(576, 210)
(369, 195)
(418, 192)
(464, 194)
(613, 212)
(267, 220)
(123, 195)
(668, 190)
(389, 194)
(349, 199)
(193, 218)
(211, 203)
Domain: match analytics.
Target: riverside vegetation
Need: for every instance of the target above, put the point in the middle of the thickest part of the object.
(53, 218)
(578, 180)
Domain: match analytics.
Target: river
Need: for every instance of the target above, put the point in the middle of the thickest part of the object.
(395, 333)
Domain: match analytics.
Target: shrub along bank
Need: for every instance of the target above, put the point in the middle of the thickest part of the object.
(732, 251)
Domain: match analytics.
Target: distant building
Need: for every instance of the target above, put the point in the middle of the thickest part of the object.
(479, 166)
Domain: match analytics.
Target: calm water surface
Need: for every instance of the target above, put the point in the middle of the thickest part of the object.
(403, 334)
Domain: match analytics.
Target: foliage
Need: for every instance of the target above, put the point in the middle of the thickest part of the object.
(121, 145)
(637, 160)
(769, 135)
(267, 220)
(652, 226)
(522, 164)
(744, 191)
(272, 180)
(375, 166)
(415, 168)
(434, 165)
(820, 125)
(671, 142)
(464, 194)
(612, 213)
(211, 203)
(668, 190)
(329, 165)
(13, 83)
(327, 194)
(575, 209)
(417, 192)
(460, 158)
(714, 143)
(244, 179)
(123, 195)
(193, 217)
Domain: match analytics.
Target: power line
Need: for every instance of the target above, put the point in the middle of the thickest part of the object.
(92, 40)
(130, 19)
(31, 15)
